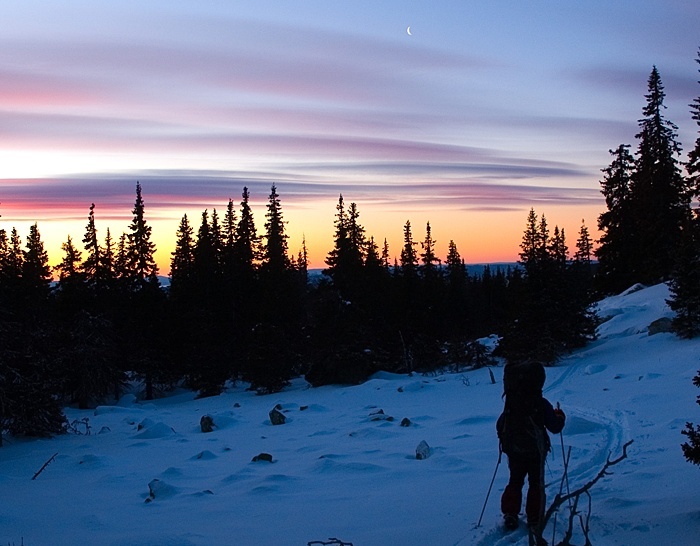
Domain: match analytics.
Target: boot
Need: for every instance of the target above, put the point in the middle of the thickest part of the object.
(510, 522)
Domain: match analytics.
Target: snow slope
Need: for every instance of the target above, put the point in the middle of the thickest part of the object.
(342, 470)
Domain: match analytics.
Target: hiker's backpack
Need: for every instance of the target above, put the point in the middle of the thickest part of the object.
(521, 425)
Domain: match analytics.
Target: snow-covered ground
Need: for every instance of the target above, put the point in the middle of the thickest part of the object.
(339, 469)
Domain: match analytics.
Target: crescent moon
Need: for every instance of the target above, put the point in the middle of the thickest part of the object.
(408, 30)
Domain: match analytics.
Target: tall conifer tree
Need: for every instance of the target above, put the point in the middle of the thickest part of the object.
(92, 266)
(685, 281)
(409, 257)
(182, 262)
(36, 273)
(660, 194)
(247, 243)
(275, 249)
(619, 233)
(142, 268)
(429, 261)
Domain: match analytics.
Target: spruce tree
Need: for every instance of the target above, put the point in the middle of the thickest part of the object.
(92, 266)
(584, 246)
(108, 261)
(182, 262)
(272, 356)
(693, 165)
(531, 245)
(386, 263)
(228, 236)
(145, 351)
(429, 261)
(70, 272)
(691, 448)
(303, 261)
(275, 257)
(141, 266)
(247, 243)
(685, 280)
(337, 258)
(4, 252)
(121, 261)
(660, 195)
(36, 273)
(204, 259)
(346, 260)
(456, 271)
(457, 306)
(684, 284)
(11, 259)
(619, 232)
(409, 258)
(550, 315)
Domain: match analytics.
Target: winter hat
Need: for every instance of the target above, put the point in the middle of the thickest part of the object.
(525, 377)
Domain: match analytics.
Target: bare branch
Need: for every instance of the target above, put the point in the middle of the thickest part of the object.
(560, 499)
(44, 466)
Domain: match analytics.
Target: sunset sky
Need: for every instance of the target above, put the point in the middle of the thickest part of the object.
(488, 109)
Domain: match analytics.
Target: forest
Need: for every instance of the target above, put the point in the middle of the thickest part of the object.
(241, 307)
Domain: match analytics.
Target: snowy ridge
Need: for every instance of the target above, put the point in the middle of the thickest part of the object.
(147, 475)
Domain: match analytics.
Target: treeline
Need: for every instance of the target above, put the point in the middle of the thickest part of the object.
(241, 307)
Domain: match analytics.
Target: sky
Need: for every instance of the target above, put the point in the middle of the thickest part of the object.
(484, 111)
(147, 476)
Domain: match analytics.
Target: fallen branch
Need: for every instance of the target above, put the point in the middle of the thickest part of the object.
(44, 466)
(560, 499)
(331, 542)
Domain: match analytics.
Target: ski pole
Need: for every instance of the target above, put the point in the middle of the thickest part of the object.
(488, 494)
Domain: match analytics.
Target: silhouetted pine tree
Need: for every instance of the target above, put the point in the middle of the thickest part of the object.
(108, 262)
(456, 306)
(29, 404)
(205, 263)
(182, 262)
(584, 246)
(71, 276)
(88, 357)
(275, 257)
(693, 165)
(619, 232)
(228, 237)
(121, 262)
(141, 323)
(346, 260)
(94, 262)
(141, 268)
(685, 281)
(11, 262)
(409, 258)
(36, 273)
(272, 356)
(660, 195)
(684, 285)
(551, 316)
(691, 448)
(246, 246)
(429, 262)
(303, 261)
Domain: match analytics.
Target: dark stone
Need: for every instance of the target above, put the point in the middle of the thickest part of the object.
(277, 417)
(423, 450)
(265, 457)
(206, 423)
(660, 326)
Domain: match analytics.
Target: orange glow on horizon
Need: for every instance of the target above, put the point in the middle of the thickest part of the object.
(480, 236)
